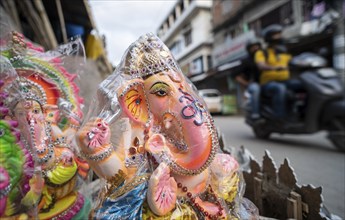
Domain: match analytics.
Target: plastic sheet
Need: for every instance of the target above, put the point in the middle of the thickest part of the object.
(152, 141)
(44, 100)
(16, 163)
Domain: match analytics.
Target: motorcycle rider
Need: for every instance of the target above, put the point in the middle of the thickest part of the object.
(248, 76)
(273, 64)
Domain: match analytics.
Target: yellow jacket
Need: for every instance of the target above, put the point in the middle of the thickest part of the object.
(282, 59)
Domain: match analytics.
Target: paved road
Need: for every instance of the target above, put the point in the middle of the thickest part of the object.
(313, 158)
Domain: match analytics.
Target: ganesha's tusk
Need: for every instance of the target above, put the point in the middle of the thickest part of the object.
(90, 135)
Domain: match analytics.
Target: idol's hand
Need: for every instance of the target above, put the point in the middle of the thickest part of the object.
(162, 190)
(93, 134)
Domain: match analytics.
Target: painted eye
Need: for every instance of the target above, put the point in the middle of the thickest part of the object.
(161, 93)
(160, 89)
(36, 111)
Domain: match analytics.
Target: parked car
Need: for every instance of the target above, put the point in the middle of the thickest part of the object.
(213, 99)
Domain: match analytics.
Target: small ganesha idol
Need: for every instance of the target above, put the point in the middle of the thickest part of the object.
(16, 163)
(47, 103)
(16, 170)
(152, 140)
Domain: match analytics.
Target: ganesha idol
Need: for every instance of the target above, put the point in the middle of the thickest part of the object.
(16, 163)
(152, 140)
(47, 108)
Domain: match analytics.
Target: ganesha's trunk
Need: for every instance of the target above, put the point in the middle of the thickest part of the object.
(199, 146)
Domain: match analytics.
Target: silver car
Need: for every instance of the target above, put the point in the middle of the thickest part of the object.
(213, 99)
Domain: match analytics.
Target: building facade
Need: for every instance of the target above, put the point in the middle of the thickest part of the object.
(309, 26)
(187, 31)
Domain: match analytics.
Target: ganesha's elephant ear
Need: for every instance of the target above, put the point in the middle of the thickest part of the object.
(133, 101)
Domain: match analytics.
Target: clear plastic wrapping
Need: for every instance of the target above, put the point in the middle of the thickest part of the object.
(43, 98)
(152, 141)
(17, 165)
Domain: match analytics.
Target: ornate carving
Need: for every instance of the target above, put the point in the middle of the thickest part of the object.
(286, 174)
(276, 193)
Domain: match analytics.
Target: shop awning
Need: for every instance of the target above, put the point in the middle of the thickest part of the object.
(199, 77)
(229, 65)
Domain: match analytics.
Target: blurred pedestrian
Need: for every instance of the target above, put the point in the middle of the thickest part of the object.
(248, 76)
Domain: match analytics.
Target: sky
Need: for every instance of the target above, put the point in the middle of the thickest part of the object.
(124, 21)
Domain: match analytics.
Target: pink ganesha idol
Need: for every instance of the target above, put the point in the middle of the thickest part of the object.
(49, 106)
(154, 142)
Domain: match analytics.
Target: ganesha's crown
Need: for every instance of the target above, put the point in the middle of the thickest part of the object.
(147, 56)
(28, 90)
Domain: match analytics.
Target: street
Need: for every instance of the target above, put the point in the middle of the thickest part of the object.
(313, 158)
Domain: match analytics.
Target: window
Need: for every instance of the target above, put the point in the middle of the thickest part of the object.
(182, 7)
(209, 62)
(227, 6)
(270, 18)
(313, 9)
(187, 34)
(176, 48)
(256, 26)
(188, 38)
(282, 15)
(286, 14)
(229, 34)
(196, 67)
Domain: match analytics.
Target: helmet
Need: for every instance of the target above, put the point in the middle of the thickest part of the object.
(269, 31)
(252, 42)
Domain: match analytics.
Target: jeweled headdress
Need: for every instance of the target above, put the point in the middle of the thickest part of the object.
(29, 90)
(41, 77)
(148, 56)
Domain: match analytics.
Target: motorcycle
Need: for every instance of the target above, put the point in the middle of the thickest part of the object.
(319, 106)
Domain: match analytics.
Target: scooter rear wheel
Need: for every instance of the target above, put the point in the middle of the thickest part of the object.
(261, 131)
(338, 140)
(337, 133)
